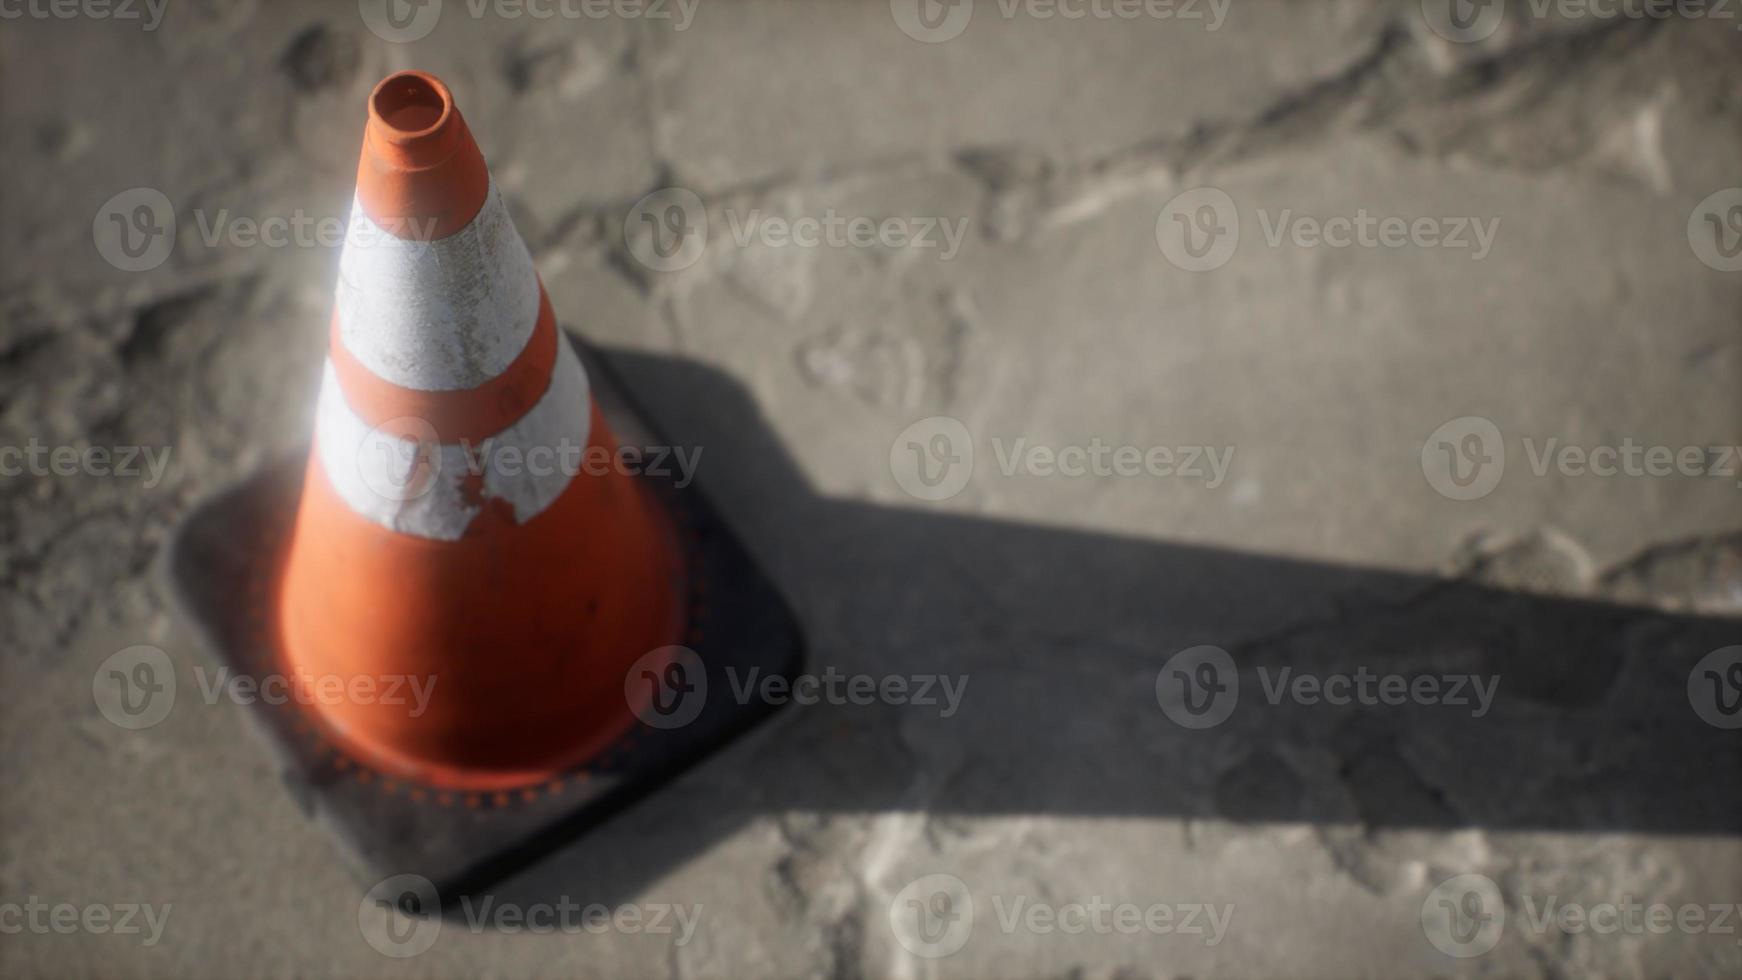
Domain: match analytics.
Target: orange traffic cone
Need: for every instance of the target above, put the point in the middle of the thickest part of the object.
(523, 590)
(448, 532)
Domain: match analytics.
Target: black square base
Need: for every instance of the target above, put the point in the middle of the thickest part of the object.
(222, 566)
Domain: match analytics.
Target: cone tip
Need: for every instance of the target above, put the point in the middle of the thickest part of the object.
(419, 160)
(412, 111)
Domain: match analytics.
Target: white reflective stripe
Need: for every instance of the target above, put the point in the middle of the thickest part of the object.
(387, 480)
(441, 315)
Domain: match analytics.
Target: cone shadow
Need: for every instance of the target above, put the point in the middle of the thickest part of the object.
(1060, 636)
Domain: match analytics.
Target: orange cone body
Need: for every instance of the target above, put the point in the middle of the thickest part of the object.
(456, 528)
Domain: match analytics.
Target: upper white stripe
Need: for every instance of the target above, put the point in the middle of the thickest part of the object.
(437, 315)
(384, 478)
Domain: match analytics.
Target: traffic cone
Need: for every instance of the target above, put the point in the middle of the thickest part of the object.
(447, 529)
(451, 531)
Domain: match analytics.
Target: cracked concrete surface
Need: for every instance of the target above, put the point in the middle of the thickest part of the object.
(1060, 321)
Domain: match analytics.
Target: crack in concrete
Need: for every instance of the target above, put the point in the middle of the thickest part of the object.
(1391, 80)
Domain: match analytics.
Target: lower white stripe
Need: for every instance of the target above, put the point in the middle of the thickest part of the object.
(417, 488)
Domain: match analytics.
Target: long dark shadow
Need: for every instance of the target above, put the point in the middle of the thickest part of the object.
(1059, 637)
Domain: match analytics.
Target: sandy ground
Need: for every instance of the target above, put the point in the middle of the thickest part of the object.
(1365, 472)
